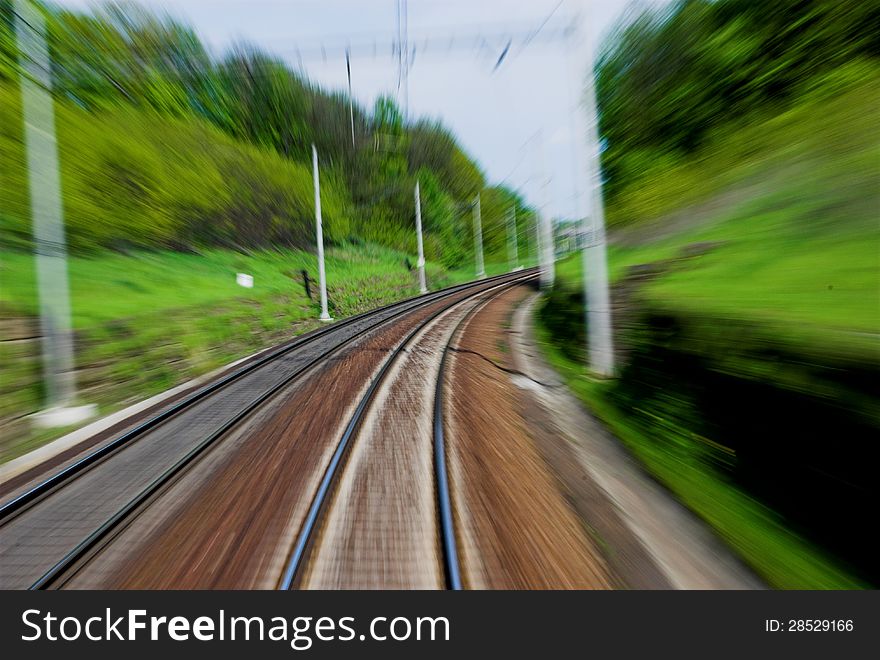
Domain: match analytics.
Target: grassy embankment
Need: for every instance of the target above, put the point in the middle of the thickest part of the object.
(160, 214)
(765, 255)
(147, 321)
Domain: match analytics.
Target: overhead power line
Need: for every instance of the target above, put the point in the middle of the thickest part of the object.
(503, 41)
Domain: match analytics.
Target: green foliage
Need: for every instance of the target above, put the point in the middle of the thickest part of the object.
(263, 102)
(563, 315)
(124, 187)
(124, 54)
(8, 51)
(444, 240)
(496, 204)
(789, 208)
(755, 289)
(761, 536)
(432, 147)
(668, 77)
(136, 93)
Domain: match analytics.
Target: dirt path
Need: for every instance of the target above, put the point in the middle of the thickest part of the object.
(648, 530)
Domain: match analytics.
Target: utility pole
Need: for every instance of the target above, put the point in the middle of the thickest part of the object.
(548, 267)
(47, 211)
(406, 61)
(544, 230)
(350, 97)
(319, 232)
(512, 240)
(421, 262)
(403, 55)
(595, 259)
(533, 238)
(478, 238)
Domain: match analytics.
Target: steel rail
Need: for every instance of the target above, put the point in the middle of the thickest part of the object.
(114, 523)
(441, 474)
(14, 506)
(320, 501)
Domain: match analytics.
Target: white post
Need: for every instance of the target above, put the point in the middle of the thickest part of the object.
(319, 232)
(534, 239)
(595, 259)
(544, 230)
(548, 256)
(478, 238)
(512, 240)
(421, 262)
(48, 220)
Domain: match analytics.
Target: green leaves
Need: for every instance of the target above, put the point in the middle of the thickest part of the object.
(136, 92)
(670, 75)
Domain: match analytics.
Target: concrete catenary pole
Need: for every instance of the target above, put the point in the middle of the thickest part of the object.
(595, 259)
(512, 240)
(423, 288)
(478, 238)
(546, 252)
(319, 233)
(48, 220)
(533, 238)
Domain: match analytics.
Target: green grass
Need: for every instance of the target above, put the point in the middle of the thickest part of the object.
(795, 223)
(620, 259)
(115, 286)
(821, 292)
(787, 210)
(147, 321)
(756, 533)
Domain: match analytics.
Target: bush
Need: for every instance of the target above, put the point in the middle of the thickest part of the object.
(132, 179)
(563, 313)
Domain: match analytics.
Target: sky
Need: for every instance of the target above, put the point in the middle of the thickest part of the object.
(516, 120)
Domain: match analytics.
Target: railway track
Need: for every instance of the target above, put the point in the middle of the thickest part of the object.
(296, 570)
(54, 527)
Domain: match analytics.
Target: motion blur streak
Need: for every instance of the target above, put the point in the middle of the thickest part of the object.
(740, 158)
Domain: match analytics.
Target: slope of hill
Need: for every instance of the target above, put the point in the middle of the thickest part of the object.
(747, 301)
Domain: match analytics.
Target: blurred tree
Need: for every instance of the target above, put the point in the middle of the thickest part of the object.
(496, 203)
(264, 102)
(8, 51)
(668, 75)
(431, 146)
(121, 56)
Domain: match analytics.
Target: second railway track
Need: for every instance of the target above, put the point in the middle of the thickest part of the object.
(50, 530)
